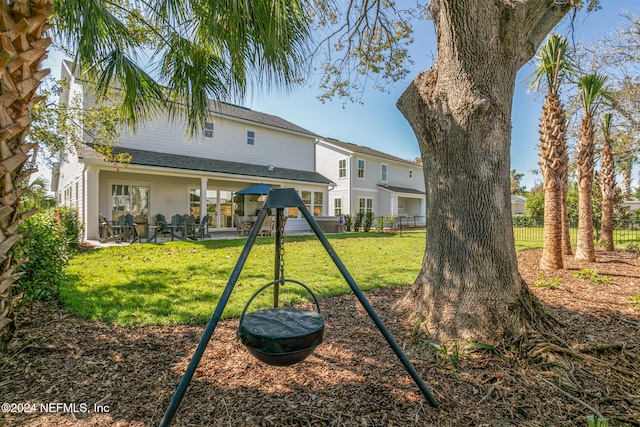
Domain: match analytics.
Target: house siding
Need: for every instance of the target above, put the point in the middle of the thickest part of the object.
(352, 188)
(229, 143)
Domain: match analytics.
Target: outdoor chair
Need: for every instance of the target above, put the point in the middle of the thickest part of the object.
(242, 228)
(176, 222)
(201, 232)
(143, 233)
(162, 225)
(106, 232)
(185, 227)
(267, 226)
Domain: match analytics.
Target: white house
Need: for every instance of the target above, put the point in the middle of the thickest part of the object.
(518, 205)
(368, 180)
(169, 172)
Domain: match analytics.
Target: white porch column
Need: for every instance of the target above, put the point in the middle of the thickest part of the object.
(393, 209)
(204, 182)
(90, 208)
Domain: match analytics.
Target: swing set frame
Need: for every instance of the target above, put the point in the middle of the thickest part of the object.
(279, 199)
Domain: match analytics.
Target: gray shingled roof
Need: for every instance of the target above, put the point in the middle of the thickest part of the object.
(401, 189)
(175, 161)
(368, 151)
(247, 114)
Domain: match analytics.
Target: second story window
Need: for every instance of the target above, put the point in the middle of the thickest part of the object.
(360, 168)
(342, 168)
(383, 172)
(208, 130)
(410, 174)
(251, 137)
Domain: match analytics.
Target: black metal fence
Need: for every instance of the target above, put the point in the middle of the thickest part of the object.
(531, 229)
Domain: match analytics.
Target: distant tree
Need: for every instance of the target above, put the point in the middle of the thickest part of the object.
(36, 198)
(516, 186)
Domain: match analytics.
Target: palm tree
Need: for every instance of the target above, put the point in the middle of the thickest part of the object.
(200, 50)
(553, 65)
(608, 186)
(591, 90)
(36, 198)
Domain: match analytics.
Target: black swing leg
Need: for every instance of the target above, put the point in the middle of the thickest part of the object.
(372, 313)
(213, 322)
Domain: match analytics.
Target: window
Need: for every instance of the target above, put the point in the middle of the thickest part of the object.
(410, 174)
(208, 130)
(383, 172)
(318, 198)
(342, 168)
(360, 168)
(365, 204)
(306, 199)
(337, 207)
(132, 199)
(312, 201)
(251, 137)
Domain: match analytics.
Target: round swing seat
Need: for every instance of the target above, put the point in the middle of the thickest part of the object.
(282, 336)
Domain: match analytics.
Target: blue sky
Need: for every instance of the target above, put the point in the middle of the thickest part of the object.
(377, 123)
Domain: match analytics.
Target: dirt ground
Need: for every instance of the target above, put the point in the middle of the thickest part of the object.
(64, 371)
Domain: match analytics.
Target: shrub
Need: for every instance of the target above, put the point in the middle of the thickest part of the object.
(348, 222)
(48, 239)
(71, 226)
(357, 223)
(368, 221)
(379, 225)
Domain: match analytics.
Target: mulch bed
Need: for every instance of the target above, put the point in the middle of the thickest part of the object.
(119, 376)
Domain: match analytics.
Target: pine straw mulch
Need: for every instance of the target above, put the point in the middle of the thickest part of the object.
(353, 378)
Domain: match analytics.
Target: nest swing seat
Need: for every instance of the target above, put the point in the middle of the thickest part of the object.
(281, 336)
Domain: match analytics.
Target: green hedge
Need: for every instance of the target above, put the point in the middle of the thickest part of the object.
(49, 239)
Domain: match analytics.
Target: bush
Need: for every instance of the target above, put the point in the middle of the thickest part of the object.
(48, 240)
(368, 221)
(357, 222)
(72, 228)
(348, 222)
(380, 221)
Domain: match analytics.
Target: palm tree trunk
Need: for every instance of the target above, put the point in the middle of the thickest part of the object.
(552, 131)
(608, 194)
(585, 249)
(21, 24)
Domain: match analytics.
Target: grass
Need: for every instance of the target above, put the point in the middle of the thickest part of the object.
(181, 282)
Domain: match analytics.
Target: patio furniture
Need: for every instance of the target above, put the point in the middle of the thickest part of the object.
(106, 232)
(242, 227)
(161, 224)
(267, 226)
(201, 232)
(185, 229)
(146, 232)
(176, 222)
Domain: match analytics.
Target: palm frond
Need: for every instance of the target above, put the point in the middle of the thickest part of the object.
(553, 63)
(592, 87)
(201, 50)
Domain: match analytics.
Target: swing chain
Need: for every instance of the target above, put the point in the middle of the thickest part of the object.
(281, 232)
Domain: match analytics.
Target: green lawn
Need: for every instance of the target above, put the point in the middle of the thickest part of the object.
(181, 282)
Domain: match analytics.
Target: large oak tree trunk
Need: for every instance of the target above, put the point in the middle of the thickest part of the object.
(460, 110)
